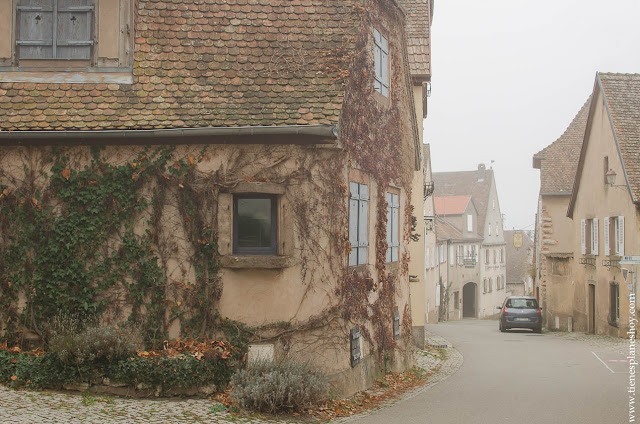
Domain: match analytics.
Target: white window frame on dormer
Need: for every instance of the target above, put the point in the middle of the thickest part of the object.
(381, 63)
(470, 223)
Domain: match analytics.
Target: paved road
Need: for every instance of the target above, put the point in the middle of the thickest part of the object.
(521, 377)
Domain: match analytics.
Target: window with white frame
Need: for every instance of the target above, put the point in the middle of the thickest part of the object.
(381, 62)
(613, 235)
(486, 256)
(358, 223)
(489, 229)
(470, 223)
(393, 224)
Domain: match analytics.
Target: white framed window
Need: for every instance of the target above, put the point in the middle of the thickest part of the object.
(589, 236)
(358, 223)
(613, 235)
(470, 223)
(381, 63)
(393, 224)
(489, 229)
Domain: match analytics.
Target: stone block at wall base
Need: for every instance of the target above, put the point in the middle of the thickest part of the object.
(419, 336)
(356, 379)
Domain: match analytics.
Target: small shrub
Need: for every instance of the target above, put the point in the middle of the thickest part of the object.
(173, 371)
(272, 387)
(21, 369)
(94, 344)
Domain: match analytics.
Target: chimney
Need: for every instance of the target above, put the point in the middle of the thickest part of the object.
(481, 170)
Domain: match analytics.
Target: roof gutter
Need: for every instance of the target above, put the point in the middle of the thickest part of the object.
(283, 134)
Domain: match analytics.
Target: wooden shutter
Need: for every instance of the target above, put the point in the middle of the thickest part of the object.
(607, 245)
(389, 226)
(353, 223)
(583, 231)
(36, 22)
(363, 240)
(395, 224)
(74, 29)
(384, 76)
(594, 237)
(55, 29)
(621, 235)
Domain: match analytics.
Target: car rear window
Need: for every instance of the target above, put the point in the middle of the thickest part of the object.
(522, 304)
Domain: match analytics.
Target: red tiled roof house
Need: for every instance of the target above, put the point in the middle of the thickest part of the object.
(212, 168)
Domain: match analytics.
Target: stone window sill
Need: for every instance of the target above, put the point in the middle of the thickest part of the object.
(68, 77)
(257, 262)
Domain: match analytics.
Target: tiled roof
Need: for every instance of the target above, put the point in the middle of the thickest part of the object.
(418, 15)
(446, 231)
(207, 63)
(622, 92)
(451, 205)
(517, 259)
(476, 184)
(558, 161)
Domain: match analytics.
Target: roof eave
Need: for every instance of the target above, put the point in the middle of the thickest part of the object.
(282, 134)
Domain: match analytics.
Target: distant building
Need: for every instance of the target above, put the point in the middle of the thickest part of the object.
(519, 263)
(471, 242)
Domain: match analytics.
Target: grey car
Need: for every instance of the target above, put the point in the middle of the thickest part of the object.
(520, 312)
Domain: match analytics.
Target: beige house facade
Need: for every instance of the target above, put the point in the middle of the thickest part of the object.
(605, 210)
(581, 280)
(419, 18)
(204, 184)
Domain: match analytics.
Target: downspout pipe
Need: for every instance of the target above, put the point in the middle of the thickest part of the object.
(320, 134)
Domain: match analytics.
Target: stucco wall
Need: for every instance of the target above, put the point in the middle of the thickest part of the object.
(596, 200)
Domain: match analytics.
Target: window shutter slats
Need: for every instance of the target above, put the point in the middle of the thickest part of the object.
(35, 29)
(607, 240)
(583, 230)
(595, 248)
(55, 29)
(353, 231)
(621, 235)
(389, 227)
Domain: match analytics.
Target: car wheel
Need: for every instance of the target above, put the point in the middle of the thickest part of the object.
(502, 329)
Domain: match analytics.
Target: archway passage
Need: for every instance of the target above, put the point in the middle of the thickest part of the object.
(469, 300)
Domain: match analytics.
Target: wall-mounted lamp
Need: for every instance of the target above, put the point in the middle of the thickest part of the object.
(610, 178)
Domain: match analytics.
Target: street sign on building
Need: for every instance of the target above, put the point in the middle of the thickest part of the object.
(517, 240)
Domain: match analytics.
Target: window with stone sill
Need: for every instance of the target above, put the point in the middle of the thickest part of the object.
(255, 224)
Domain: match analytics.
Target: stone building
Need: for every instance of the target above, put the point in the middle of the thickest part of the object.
(214, 169)
(554, 235)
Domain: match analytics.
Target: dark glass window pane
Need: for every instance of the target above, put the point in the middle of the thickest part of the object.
(254, 223)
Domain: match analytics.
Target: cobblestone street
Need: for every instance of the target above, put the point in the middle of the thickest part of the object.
(31, 407)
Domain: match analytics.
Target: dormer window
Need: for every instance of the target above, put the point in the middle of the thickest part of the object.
(381, 62)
